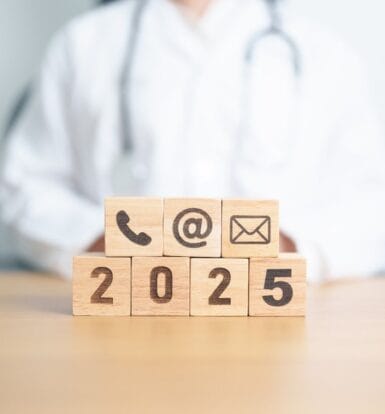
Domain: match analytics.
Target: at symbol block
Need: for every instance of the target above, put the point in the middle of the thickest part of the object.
(278, 286)
(219, 287)
(160, 286)
(250, 228)
(134, 226)
(101, 285)
(192, 227)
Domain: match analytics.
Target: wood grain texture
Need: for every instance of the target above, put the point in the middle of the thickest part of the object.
(145, 217)
(213, 293)
(192, 227)
(160, 286)
(288, 297)
(94, 293)
(250, 228)
(51, 362)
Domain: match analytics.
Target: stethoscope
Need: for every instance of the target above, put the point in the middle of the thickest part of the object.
(132, 166)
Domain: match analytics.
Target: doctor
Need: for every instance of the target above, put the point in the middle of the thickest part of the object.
(193, 98)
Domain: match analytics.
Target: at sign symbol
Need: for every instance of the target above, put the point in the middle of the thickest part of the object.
(192, 224)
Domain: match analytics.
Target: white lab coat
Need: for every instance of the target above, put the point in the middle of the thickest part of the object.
(314, 144)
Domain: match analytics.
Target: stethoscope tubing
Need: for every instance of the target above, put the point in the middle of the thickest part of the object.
(125, 84)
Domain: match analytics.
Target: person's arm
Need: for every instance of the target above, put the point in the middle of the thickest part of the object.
(344, 232)
(50, 219)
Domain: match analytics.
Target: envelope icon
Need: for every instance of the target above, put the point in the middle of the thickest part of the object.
(250, 230)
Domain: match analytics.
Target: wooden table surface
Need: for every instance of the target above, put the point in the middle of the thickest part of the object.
(51, 362)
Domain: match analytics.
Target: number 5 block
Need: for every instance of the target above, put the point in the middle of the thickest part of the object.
(277, 286)
(101, 285)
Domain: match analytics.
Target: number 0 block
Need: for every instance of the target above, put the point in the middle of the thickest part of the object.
(160, 286)
(101, 285)
(219, 287)
(277, 286)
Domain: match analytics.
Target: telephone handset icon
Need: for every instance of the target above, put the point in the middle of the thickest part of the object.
(122, 220)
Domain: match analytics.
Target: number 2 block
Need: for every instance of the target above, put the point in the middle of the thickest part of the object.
(219, 287)
(277, 286)
(101, 285)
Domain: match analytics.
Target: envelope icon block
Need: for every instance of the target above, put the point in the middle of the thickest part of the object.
(250, 229)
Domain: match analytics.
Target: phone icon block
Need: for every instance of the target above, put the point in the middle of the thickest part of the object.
(133, 227)
(122, 220)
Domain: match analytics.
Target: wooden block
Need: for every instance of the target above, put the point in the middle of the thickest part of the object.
(278, 286)
(219, 287)
(101, 285)
(192, 227)
(160, 286)
(134, 226)
(250, 228)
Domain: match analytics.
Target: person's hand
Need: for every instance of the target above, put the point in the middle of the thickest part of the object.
(286, 244)
(97, 246)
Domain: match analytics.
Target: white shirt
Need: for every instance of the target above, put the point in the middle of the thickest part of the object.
(312, 143)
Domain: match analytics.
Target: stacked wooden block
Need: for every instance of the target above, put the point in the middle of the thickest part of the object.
(204, 257)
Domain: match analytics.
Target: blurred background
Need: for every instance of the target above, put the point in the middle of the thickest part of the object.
(26, 26)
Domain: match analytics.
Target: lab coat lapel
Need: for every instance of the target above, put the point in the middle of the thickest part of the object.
(175, 29)
(272, 109)
(216, 27)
